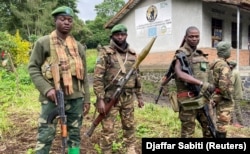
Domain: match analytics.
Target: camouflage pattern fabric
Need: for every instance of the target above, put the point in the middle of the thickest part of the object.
(125, 107)
(106, 76)
(224, 98)
(47, 132)
(199, 64)
(188, 118)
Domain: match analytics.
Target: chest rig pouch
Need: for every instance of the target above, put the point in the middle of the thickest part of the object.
(198, 64)
(118, 64)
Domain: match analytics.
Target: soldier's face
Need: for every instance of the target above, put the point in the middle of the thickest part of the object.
(193, 37)
(64, 23)
(119, 38)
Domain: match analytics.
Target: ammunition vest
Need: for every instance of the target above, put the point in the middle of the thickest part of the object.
(199, 65)
(114, 70)
(46, 70)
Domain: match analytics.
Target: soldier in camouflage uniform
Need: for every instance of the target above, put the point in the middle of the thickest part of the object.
(112, 64)
(60, 48)
(223, 97)
(191, 105)
(238, 95)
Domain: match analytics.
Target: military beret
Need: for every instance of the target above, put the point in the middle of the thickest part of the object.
(119, 28)
(232, 62)
(223, 49)
(63, 10)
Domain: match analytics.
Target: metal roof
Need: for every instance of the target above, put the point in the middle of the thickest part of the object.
(244, 4)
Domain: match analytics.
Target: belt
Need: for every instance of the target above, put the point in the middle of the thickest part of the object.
(185, 94)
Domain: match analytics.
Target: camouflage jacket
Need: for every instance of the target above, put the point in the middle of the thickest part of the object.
(108, 71)
(221, 75)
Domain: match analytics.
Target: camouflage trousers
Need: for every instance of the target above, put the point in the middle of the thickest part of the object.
(236, 113)
(125, 108)
(223, 114)
(47, 132)
(188, 118)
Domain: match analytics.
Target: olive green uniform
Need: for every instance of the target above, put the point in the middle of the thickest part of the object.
(190, 106)
(238, 95)
(73, 102)
(107, 74)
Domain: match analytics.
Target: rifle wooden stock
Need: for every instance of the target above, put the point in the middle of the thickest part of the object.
(100, 117)
(121, 83)
(59, 111)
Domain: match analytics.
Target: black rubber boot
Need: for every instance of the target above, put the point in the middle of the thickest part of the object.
(221, 134)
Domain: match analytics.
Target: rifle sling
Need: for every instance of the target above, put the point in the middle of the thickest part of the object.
(121, 63)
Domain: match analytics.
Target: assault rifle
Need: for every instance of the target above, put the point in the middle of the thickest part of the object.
(121, 83)
(168, 76)
(59, 111)
(196, 90)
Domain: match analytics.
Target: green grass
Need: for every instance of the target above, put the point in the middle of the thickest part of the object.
(91, 59)
(20, 99)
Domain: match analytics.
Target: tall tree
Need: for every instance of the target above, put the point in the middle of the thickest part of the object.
(105, 11)
(108, 8)
(32, 17)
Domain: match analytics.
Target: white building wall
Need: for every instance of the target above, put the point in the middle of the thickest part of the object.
(187, 13)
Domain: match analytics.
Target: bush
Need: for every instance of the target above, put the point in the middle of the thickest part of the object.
(91, 59)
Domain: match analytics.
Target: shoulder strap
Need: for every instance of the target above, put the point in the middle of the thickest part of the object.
(121, 63)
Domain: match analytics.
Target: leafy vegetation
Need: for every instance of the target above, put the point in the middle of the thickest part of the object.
(33, 19)
(91, 59)
(19, 106)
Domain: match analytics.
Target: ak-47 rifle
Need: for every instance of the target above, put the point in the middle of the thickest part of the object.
(59, 111)
(121, 83)
(167, 77)
(196, 90)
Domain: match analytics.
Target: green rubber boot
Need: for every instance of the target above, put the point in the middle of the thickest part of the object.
(74, 150)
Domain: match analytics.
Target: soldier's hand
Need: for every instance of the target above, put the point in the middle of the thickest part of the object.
(51, 94)
(209, 87)
(163, 80)
(140, 103)
(212, 102)
(100, 106)
(86, 108)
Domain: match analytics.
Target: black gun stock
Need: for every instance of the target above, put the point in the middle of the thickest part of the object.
(196, 90)
(169, 75)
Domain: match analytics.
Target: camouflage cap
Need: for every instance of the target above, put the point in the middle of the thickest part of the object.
(119, 28)
(63, 10)
(232, 62)
(223, 49)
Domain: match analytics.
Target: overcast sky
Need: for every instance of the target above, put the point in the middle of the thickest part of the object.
(87, 8)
